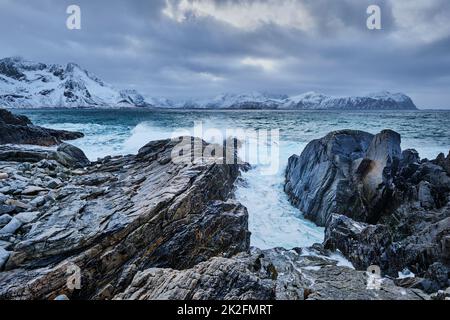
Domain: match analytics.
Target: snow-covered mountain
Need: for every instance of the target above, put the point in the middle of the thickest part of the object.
(306, 101)
(254, 100)
(27, 84)
(375, 101)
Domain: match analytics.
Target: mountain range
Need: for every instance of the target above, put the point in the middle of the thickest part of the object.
(27, 84)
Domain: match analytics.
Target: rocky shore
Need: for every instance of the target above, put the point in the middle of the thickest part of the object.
(144, 227)
(380, 205)
(20, 130)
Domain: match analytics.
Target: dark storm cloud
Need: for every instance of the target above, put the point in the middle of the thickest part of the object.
(201, 48)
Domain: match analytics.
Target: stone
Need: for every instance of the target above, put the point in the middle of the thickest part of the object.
(319, 182)
(54, 183)
(17, 203)
(4, 219)
(4, 209)
(38, 202)
(262, 275)
(379, 205)
(4, 255)
(3, 198)
(19, 130)
(71, 156)
(11, 227)
(3, 175)
(156, 214)
(27, 217)
(33, 190)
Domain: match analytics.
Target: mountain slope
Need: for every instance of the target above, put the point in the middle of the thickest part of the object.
(27, 84)
(375, 101)
(306, 101)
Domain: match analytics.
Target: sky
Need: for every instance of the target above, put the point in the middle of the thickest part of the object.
(194, 49)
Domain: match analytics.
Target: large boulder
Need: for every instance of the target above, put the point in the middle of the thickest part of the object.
(379, 205)
(19, 130)
(66, 154)
(320, 181)
(71, 156)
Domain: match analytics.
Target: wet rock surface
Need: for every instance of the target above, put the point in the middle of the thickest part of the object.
(299, 274)
(380, 206)
(146, 227)
(19, 130)
(113, 219)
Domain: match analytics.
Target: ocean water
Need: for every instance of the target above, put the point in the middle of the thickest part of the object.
(272, 220)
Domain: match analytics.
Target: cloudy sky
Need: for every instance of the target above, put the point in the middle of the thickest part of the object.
(199, 48)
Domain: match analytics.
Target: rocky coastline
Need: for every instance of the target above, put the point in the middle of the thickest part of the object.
(143, 227)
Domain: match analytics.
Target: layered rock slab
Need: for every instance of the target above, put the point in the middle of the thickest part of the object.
(122, 215)
(380, 205)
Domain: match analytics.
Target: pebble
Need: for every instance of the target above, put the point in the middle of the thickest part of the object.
(4, 255)
(5, 219)
(27, 217)
(54, 183)
(6, 209)
(11, 227)
(17, 203)
(3, 198)
(38, 202)
(3, 176)
(32, 190)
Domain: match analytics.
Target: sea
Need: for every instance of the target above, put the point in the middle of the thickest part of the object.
(273, 221)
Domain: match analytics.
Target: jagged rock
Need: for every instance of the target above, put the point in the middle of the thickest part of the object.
(4, 255)
(11, 227)
(263, 275)
(380, 206)
(4, 219)
(443, 162)
(149, 212)
(319, 182)
(20, 130)
(71, 156)
(67, 155)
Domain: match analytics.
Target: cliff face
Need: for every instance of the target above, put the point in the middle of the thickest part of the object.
(379, 205)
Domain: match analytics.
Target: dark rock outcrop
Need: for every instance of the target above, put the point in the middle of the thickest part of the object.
(299, 274)
(115, 218)
(19, 130)
(380, 205)
(147, 227)
(319, 182)
(67, 155)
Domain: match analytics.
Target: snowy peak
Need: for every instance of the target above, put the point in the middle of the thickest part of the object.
(254, 100)
(27, 84)
(306, 101)
(375, 101)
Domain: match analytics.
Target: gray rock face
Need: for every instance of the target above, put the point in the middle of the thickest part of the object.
(20, 130)
(67, 155)
(146, 227)
(319, 182)
(120, 216)
(263, 275)
(382, 206)
(71, 156)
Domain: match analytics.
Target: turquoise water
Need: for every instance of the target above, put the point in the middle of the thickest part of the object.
(273, 221)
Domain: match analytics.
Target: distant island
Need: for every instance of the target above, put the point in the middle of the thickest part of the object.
(27, 84)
